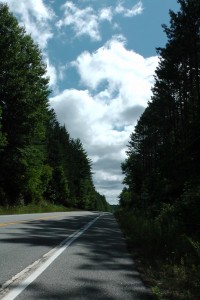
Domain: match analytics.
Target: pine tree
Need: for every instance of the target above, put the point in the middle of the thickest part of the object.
(38, 158)
(163, 152)
(24, 103)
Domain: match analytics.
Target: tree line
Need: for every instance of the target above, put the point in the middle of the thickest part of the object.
(162, 169)
(38, 158)
(160, 203)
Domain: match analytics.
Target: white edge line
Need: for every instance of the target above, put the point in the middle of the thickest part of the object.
(65, 244)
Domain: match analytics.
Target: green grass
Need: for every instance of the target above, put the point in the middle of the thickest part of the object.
(167, 259)
(33, 208)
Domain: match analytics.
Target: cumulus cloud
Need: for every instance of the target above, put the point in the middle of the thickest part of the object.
(86, 21)
(125, 72)
(83, 21)
(118, 85)
(106, 14)
(78, 110)
(35, 15)
(115, 83)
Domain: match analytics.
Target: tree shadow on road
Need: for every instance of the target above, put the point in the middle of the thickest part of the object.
(96, 266)
(102, 253)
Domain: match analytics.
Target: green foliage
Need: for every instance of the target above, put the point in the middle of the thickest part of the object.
(24, 102)
(58, 191)
(40, 207)
(46, 177)
(157, 292)
(162, 168)
(160, 205)
(168, 259)
(101, 203)
(74, 185)
(39, 161)
(125, 198)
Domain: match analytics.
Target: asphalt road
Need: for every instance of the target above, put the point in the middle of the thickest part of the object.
(93, 264)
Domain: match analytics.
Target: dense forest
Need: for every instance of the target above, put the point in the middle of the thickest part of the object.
(163, 163)
(162, 169)
(38, 158)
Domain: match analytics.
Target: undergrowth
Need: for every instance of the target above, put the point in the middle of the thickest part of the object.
(167, 258)
(33, 208)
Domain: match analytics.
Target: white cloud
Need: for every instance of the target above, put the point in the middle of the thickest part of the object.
(83, 21)
(35, 15)
(137, 9)
(78, 110)
(118, 85)
(86, 117)
(106, 14)
(51, 73)
(125, 72)
(86, 21)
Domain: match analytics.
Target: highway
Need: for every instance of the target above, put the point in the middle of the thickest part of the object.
(71, 255)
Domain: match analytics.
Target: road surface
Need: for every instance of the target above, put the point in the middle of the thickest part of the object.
(73, 255)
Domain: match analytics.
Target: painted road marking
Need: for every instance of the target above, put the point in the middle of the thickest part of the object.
(56, 252)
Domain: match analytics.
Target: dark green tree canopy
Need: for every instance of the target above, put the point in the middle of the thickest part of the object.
(39, 161)
(24, 103)
(163, 152)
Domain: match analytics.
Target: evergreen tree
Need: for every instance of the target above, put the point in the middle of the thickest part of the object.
(24, 102)
(39, 160)
(163, 152)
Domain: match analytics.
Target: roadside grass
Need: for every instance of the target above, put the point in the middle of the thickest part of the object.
(167, 260)
(33, 208)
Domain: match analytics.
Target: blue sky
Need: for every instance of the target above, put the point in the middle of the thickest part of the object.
(100, 57)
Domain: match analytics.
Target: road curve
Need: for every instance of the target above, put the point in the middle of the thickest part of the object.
(95, 266)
